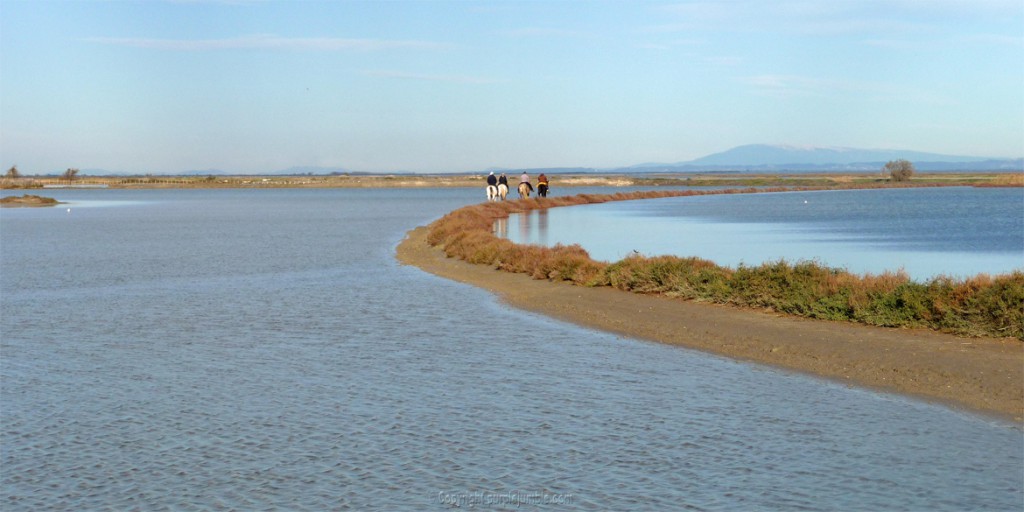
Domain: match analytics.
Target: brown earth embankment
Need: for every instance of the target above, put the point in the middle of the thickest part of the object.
(978, 374)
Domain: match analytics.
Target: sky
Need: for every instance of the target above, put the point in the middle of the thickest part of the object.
(247, 86)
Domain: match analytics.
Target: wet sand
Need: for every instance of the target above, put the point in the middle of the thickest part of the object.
(980, 375)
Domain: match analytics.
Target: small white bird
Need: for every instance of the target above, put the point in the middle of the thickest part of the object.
(69, 210)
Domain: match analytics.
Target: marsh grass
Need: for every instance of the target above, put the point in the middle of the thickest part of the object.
(979, 306)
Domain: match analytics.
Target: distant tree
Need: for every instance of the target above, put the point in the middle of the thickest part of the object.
(899, 170)
(70, 174)
(13, 172)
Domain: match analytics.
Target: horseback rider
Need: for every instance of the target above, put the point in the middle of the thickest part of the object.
(542, 185)
(491, 179)
(503, 180)
(525, 178)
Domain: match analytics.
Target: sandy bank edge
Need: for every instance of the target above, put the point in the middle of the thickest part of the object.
(981, 375)
(28, 201)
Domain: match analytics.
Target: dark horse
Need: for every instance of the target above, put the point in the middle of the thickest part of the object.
(542, 189)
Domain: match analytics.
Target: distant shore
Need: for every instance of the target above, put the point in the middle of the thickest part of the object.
(470, 180)
(980, 375)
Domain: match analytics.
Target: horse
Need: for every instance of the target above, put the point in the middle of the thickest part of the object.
(542, 189)
(502, 191)
(524, 189)
(492, 193)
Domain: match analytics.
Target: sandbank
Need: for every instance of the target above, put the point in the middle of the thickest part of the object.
(980, 375)
(27, 201)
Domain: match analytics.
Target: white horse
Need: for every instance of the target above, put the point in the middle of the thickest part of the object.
(502, 191)
(492, 193)
(524, 189)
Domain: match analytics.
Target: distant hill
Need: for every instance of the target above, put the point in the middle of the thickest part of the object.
(763, 154)
(765, 157)
(311, 170)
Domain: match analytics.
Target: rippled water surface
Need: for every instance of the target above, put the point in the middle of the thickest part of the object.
(956, 231)
(257, 350)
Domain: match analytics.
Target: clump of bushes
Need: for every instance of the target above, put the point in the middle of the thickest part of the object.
(980, 306)
(899, 170)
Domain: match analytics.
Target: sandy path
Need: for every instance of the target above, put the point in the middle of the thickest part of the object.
(980, 375)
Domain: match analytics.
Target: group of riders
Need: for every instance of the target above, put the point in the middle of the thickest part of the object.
(542, 182)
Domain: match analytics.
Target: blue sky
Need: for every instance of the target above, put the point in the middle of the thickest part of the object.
(452, 86)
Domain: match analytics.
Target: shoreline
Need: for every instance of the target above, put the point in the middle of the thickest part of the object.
(477, 179)
(984, 376)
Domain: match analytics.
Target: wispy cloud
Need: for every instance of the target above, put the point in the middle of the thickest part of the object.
(224, 2)
(899, 44)
(788, 85)
(995, 40)
(796, 85)
(402, 75)
(263, 41)
(817, 18)
(543, 32)
(792, 86)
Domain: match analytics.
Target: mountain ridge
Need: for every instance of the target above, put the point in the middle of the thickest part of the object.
(774, 157)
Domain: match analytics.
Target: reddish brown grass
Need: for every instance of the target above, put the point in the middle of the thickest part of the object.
(979, 306)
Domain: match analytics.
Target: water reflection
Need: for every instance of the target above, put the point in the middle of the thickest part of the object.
(531, 227)
(501, 228)
(542, 226)
(524, 227)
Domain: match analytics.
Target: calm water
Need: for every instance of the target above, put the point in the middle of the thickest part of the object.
(958, 231)
(256, 350)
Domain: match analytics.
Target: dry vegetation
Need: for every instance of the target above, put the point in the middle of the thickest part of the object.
(981, 306)
(27, 200)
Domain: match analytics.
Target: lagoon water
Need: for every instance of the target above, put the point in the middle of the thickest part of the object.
(953, 231)
(260, 350)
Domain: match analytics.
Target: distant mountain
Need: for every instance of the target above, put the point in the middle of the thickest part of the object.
(312, 170)
(763, 154)
(204, 172)
(764, 157)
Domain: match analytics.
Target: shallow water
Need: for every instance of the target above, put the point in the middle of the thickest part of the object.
(263, 350)
(955, 231)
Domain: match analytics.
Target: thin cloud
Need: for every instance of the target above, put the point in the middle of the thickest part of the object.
(899, 44)
(817, 18)
(223, 2)
(653, 46)
(995, 40)
(401, 75)
(724, 60)
(795, 85)
(270, 42)
(791, 86)
(543, 32)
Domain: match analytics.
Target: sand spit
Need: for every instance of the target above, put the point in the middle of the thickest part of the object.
(980, 375)
(27, 201)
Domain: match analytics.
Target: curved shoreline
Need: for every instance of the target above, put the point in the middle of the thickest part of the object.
(981, 375)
